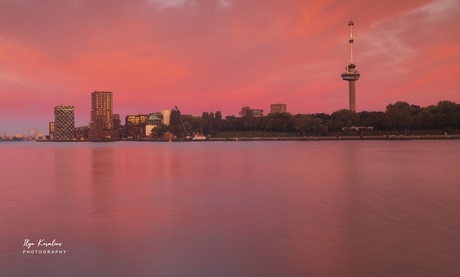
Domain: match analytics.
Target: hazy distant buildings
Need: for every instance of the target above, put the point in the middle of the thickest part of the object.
(64, 123)
(102, 125)
(116, 121)
(51, 130)
(117, 125)
(81, 133)
(255, 113)
(278, 108)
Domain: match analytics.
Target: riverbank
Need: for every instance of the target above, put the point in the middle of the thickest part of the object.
(386, 137)
(305, 138)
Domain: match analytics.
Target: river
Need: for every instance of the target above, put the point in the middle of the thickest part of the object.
(286, 208)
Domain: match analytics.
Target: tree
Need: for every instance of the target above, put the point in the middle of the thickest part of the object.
(344, 118)
(223, 125)
(302, 123)
(317, 126)
(245, 111)
(446, 107)
(270, 124)
(278, 124)
(160, 129)
(441, 120)
(398, 115)
(428, 118)
(217, 120)
(255, 124)
(175, 124)
(455, 119)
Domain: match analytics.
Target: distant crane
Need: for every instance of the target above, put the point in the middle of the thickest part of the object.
(180, 116)
(32, 133)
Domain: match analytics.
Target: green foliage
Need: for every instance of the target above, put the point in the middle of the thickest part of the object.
(302, 123)
(160, 129)
(344, 118)
(245, 111)
(270, 124)
(399, 115)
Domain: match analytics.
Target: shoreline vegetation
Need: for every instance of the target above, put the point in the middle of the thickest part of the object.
(400, 120)
(292, 138)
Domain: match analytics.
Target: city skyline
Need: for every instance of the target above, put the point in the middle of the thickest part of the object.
(222, 55)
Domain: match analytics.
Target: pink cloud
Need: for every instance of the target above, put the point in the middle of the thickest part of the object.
(221, 55)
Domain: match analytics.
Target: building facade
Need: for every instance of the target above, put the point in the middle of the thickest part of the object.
(135, 126)
(166, 116)
(102, 123)
(255, 113)
(278, 108)
(64, 122)
(81, 133)
(51, 130)
(102, 109)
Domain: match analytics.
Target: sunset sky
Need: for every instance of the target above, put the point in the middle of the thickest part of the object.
(209, 55)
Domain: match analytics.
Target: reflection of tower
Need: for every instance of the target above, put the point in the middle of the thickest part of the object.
(351, 74)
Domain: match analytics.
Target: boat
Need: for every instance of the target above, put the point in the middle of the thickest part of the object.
(199, 137)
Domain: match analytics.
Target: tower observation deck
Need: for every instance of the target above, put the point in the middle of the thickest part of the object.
(351, 74)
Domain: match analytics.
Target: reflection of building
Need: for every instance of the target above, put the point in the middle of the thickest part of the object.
(255, 113)
(135, 125)
(278, 108)
(51, 130)
(64, 122)
(101, 126)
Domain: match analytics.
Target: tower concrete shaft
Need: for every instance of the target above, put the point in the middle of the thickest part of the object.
(351, 74)
(352, 97)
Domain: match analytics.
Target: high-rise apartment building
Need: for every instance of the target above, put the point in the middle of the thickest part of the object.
(278, 108)
(101, 126)
(64, 122)
(102, 109)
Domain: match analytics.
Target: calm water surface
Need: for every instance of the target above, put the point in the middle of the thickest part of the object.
(326, 208)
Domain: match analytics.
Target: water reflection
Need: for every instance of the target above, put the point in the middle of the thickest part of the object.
(103, 211)
(235, 209)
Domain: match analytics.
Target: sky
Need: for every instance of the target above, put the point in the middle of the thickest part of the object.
(210, 55)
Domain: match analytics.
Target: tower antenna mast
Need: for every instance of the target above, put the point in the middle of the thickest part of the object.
(351, 74)
(351, 40)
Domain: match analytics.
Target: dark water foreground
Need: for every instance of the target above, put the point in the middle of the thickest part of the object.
(326, 208)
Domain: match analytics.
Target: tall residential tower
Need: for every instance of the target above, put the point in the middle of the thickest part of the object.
(351, 74)
(64, 123)
(101, 126)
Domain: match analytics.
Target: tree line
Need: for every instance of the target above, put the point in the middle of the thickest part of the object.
(398, 116)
